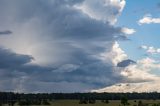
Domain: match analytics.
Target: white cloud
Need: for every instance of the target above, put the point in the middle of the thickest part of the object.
(115, 56)
(150, 49)
(128, 31)
(147, 64)
(137, 74)
(141, 71)
(104, 10)
(132, 87)
(148, 20)
(143, 47)
(138, 78)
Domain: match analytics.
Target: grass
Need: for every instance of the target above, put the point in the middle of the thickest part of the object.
(98, 103)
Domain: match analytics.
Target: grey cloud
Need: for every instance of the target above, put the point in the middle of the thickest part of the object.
(12, 60)
(126, 63)
(51, 87)
(96, 74)
(20, 63)
(89, 77)
(86, 76)
(64, 21)
(55, 23)
(15, 69)
(7, 32)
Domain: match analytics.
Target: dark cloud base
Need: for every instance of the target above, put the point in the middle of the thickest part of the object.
(7, 32)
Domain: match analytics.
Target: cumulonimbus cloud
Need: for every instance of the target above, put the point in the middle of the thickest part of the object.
(72, 49)
(65, 43)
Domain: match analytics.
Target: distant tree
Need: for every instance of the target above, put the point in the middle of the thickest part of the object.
(92, 101)
(105, 101)
(23, 103)
(155, 104)
(140, 103)
(102, 101)
(124, 101)
(45, 102)
(83, 101)
(12, 102)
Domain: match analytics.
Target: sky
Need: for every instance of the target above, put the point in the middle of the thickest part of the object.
(79, 46)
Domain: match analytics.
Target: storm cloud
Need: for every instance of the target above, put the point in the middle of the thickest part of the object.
(56, 45)
(12, 60)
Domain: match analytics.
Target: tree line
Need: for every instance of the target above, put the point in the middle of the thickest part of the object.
(22, 99)
(4, 96)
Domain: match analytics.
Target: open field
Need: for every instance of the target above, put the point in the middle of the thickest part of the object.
(99, 103)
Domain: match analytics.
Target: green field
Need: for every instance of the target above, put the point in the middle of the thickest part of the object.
(99, 103)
